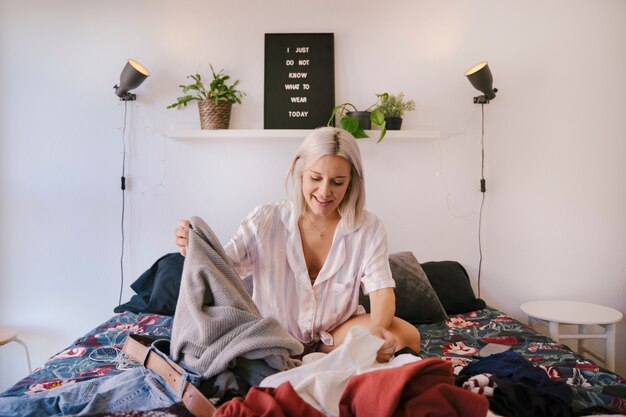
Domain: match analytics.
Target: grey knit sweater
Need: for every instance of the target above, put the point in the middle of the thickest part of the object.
(216, 321)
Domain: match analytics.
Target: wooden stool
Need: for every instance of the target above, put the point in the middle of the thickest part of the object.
(8, 335)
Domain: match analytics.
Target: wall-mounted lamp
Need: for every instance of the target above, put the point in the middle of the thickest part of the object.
(482, 80)
(132, 76)
(480, 77)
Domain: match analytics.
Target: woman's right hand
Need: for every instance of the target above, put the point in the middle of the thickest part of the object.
(182, 236)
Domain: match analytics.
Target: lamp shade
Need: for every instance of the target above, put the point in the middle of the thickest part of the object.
(132, 76)
(482, 80)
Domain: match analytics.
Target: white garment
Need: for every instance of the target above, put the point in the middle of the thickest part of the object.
(268, 247)
(322, 378)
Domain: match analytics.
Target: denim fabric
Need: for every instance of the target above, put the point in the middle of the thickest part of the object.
(136, 389)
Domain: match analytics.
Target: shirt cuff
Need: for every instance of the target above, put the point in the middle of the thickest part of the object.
(326, 338)
(378, 285)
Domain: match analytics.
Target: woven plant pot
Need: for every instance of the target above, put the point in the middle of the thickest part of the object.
(214, 116)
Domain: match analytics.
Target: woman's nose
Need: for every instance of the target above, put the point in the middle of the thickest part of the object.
(325, 189)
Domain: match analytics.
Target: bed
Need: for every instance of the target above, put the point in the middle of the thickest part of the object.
(454, 325)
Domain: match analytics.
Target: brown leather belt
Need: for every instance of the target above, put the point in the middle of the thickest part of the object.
(136, 347)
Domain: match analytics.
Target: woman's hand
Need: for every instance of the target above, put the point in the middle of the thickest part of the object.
(386, 351)
(182, 236)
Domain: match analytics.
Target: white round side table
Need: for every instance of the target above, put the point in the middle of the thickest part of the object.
(555, 312)
(8, 335)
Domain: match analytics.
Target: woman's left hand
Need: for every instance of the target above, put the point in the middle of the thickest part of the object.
(386, 351)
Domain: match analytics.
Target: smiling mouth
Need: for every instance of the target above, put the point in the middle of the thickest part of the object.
(322, 202)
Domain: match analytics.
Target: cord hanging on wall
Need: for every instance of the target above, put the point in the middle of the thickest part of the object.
(480, 77)
(131, 77)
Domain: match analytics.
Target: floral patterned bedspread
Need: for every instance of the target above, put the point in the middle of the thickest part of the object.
(456, 340)
(97, 353)
(460, 337)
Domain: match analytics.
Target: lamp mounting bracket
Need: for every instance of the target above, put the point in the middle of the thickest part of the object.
(482, 99)
(127, 96)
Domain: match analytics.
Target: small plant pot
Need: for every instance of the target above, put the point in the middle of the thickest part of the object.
(363, 117)
(214, 116)
(393, 123)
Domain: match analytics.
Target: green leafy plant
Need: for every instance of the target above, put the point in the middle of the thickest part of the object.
(218, 90)
(395, 105)
(351, 123)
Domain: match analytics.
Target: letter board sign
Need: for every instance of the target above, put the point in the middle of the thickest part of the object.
(299, 80)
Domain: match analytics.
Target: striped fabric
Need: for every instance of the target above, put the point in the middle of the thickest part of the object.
(268, 248)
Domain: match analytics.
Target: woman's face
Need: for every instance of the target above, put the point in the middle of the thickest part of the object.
(324, 184)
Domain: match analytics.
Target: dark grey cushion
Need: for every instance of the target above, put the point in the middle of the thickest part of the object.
(416, 301)
(452, 285)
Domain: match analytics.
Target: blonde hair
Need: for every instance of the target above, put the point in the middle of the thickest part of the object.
(321, 142)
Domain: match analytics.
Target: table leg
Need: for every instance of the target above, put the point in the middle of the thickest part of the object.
(579, 344)
(609, 352)
(553, 327)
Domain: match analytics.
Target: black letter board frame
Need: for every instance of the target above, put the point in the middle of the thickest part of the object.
(299, 80)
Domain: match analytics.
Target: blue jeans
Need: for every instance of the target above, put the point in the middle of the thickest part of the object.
(136, 389)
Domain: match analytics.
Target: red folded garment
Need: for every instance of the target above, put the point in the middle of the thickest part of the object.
(423, 388)
(276, 402)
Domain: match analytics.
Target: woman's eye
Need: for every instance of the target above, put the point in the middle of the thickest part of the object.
(338, 184)
(315, 179)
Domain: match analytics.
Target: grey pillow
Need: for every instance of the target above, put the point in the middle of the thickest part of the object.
(416, 300)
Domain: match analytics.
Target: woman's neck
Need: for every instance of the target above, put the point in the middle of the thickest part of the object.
(321, 224)
(323, 218)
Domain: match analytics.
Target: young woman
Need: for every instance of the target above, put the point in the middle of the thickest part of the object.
(307, 257)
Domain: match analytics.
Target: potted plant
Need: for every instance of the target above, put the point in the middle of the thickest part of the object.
(393, 107)
(356, 121)
(214, 103)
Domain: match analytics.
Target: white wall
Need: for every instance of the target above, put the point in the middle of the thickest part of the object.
(554, 223)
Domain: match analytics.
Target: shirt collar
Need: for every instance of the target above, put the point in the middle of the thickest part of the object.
(290, 220)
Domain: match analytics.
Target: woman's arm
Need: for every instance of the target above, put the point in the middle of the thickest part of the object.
(382, 310)
(382, 307)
